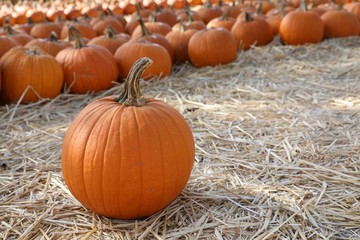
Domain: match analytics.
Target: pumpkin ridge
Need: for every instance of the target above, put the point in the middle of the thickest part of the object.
(179, 119)
(75, 132)
(95, 156)
(165, 115)
(119, 194)
(115, 115)
(141, 165)
(155, 123)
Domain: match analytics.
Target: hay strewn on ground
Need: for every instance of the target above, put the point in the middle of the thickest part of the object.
(277, 153)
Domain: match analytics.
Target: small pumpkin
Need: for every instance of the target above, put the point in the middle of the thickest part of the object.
(6, 44)
(209, 12)
(222, 22)
(340, 23)
(179, 41)
(301, 27)
(85, 30)
(252, 31)
(129, 156)
(43, 30)
(206, 47)
(110, 40)
(154, 38)
(87, 68)
(21, 37)
(128, 53)
(31, 70)
(51, 45)
(154, 27)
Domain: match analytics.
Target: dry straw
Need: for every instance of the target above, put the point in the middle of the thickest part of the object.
(277, 153)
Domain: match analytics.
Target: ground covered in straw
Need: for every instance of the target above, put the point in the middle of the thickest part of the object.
(277, 153)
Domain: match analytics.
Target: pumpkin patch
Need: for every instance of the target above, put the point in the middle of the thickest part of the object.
(248, 127)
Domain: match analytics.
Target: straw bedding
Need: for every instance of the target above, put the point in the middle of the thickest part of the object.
(277, 153)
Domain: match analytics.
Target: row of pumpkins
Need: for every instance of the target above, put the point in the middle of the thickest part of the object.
(93, 52)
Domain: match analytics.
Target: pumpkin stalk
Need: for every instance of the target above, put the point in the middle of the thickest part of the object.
(144, 30)
(74, 34)
(303, 5)
(248, 17)
(110, 32)
(53, 37)
(131, 94)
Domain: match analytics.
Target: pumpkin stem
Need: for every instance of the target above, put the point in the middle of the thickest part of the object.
(8, 29)
(131, 94)
(189, 16)
(208, 4)
(144, 30)
(110, 32)
(220, 3)
(53, 37)
(248, 17)
(225, 15)
(74, 34)
(158, 9)
(303, 5)
(34, 51)
(259, 10)
(341, 5)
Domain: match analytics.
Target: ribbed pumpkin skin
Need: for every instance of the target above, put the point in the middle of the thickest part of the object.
(340, 24)
(93, 68)
(6, 44)
(127, 162)
(212, 47)
(20, 69)
(301, 27)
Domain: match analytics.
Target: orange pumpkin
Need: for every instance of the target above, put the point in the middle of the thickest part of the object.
(301, 27)
(87, 68)
(129, 156)
(6, 44)
(31, 70)
(221, 22)
(127, 54)
(43, 30)
(51, 45)
(207, 48)
(154, 38)
(179, 41)
(340, 23)
(20, 37)
(110, 40)
(252, 31)
(209, 12)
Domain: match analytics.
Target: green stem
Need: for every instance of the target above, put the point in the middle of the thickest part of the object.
(131, 94)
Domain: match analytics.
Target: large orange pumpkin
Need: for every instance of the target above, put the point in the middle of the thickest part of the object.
(129, 156)
(31, 70)
(87, 68)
